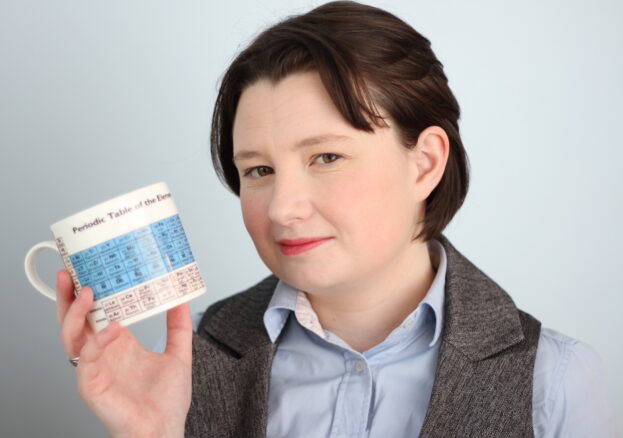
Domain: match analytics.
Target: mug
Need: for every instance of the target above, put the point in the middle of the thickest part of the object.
(131, 250)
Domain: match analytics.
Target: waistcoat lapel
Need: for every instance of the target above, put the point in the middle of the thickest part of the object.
(232, 356)
(483, 381)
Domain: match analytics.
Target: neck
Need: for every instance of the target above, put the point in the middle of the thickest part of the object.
(364, 315)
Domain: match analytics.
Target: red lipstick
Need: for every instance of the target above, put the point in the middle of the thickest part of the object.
(299, 246)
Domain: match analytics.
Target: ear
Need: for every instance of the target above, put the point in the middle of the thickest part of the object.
(429, 160)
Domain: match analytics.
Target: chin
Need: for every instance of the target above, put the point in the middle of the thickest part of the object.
(309, 273)
(301, 279)
(306, 280)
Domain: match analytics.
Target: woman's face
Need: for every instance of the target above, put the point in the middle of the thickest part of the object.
(328, 207)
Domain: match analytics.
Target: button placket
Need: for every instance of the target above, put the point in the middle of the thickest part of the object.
(354, 398)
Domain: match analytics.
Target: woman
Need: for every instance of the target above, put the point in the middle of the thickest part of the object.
(339, 133)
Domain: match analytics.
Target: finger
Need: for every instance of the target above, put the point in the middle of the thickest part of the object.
(180, 332)
(64, 294)
(94, 349)
(74, 329)
(96, 346)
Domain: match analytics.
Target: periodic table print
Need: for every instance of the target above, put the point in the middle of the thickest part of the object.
(156, 257)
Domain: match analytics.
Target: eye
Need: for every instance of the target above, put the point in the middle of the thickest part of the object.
(262, 171)
(326, 158)
(258, 171)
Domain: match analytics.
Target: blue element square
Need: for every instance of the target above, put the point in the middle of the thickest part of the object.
(186, 257)
(161, 237)
(147, 239)
(111, 257)
(94, 263)
(101, 289)
(175, 259)
(128, 246)
(81, 269)
(120, 282)
(98, 275)
(180, 242)
(138, 274)
(167, 247)
(76, 258)
(159, 226)
(150, 252)
(176, 231)
(85, 280)
(156, 268)
(132, 261)
(129, 251)
(115, 268)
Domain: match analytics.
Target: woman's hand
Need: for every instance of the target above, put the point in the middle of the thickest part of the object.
(132, 391)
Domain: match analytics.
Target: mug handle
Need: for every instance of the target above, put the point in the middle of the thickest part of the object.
(31, 270)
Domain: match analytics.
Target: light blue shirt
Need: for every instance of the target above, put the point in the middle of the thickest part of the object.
(318, 383)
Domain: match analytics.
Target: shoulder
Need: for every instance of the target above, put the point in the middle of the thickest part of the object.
(569, 393)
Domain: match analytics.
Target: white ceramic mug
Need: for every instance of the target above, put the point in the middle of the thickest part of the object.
(131, 250)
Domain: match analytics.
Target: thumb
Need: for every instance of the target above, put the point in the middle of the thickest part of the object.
(180, 332)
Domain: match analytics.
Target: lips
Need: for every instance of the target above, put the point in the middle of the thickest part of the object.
(299, 246)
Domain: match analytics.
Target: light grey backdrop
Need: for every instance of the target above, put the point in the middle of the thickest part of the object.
(99, 98)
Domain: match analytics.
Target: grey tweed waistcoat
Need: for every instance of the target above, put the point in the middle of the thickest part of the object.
(483, 380)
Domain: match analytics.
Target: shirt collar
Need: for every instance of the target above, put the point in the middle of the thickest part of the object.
(285, 298)
(279, 308)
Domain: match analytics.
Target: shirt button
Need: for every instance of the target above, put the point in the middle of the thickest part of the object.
(360, 366)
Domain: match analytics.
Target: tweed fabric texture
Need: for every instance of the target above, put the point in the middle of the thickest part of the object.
(483, 380)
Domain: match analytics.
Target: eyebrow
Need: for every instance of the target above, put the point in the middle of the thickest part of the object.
(306, 142)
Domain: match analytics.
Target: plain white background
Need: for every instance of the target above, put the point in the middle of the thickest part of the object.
(99, 98)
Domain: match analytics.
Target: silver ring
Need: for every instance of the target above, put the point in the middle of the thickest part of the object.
(74, 360)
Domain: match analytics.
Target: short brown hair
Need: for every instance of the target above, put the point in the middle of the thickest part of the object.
(366, 57)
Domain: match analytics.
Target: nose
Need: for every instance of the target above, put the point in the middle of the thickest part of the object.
(290, 200)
